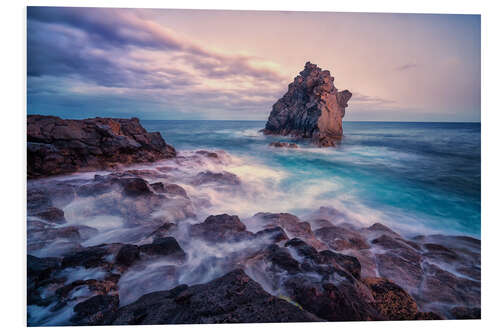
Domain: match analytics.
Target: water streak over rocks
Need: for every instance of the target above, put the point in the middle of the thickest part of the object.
(137, 246)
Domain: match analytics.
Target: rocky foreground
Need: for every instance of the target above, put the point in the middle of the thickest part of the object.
(214, 269)
(59, 146)
(145, 244)
(312, 108)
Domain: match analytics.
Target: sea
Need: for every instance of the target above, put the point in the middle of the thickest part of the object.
(416, 177)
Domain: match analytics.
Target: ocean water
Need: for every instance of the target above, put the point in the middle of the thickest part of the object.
(418, 178)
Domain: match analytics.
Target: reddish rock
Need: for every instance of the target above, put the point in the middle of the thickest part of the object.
(220, 228)
(392, 301)
(278, 144)
(58, 146)
(312, 108)
(340, 238)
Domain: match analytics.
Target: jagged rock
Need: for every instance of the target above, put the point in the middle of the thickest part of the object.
(52, 214)
(339, 238)
(166, 246)
(127, 255)
(220, 228)
(94, 310)
(283, 145)
(232, 298)
(391, 300)
(172, 189)
(222, 178)
(291, 224)
(312, 108)
(58, 146)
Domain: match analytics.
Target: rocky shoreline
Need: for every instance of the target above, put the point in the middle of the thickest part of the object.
(58, 146)
(141, 245)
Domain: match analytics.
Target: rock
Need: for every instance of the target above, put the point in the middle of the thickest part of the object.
(52, 214)
(460, 312)
(391, 300)
(87, 257)
(127, 255)
(276, 234)
(339, 238)
(206, 153)
(59, 146)
(291, 224)
(312, 108)
(281, 259)
(232, 298)
(41, 268)
(220, 228)
(278, 144)
(222, 178)
(340, 301)
(94, 310)
(166, 246)
(348, 263)
(172, 189)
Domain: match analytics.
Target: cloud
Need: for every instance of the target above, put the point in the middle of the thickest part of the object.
(406, 67)
(360, 98)
(89, 55)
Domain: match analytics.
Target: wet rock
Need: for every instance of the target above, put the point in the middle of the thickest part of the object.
(339, 238)
(206, 153)
(348, 263)
(443, 286)
(52, 214)
(172, 189)
(127, 255)
(281, 259)
(391, 300)
(341, 301)
(58, 146)
(278, 144)
(220, 228)
(167, 246)
(95, 310)
(87, 257)
(276, 234)
(41, 268)
(222, 178)
(461, 312)
(291, 224)
(311, 108)
(232, 298)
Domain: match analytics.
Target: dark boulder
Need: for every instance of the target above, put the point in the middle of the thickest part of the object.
(95, 310)
(166, 246)
(220, 228)
(127, 255)
(232, 298)
(172, 189)
(222, 178)
(57, 146)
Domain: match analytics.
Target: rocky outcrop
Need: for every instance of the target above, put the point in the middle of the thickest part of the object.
(278, 144)
(312, 108)
(232, 298)
(58, 146)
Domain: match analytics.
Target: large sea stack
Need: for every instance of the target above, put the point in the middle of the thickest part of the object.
(58, 146)
(312, 108)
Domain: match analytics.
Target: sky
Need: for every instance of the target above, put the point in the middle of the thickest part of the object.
(207, 64)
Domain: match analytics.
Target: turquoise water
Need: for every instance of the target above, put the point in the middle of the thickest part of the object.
(415, 177)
